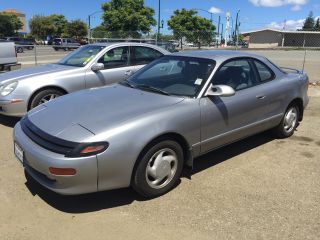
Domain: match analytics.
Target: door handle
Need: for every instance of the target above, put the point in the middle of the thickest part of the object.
(128, 73)
(260, 97)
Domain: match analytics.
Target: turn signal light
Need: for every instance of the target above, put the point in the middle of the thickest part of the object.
(92, 149)
(62, 171)
(88, 149)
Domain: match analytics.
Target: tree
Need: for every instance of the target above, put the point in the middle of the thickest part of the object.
(6, 28)
(76, 29)
(59, 22)
(41, 26)
(16, 22)
(185, 24)
(100, 32)
(9, 24)
(127, 18)
(317, 25)
(309, 23)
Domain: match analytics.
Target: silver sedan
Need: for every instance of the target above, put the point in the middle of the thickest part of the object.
(92, 65)
(144, 130)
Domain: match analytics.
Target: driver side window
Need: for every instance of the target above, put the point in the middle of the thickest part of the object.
(237, 74)
(115, 58)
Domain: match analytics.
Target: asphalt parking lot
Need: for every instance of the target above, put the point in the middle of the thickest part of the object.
(258, 188)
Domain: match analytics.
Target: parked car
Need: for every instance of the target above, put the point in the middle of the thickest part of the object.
(8, 56)
(65, 44)
(144, 130)
(22, 43)
(90, 66)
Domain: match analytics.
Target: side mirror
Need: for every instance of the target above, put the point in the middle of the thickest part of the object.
(97, 67)
(220, 90)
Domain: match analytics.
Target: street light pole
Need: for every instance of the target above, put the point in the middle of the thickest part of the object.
(89, 23)
(158, 32)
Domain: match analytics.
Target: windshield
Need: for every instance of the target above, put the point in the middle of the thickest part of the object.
(173, 75)
(81, 56)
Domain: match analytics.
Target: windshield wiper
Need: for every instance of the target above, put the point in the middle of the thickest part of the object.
(152, 89)
(127, 83)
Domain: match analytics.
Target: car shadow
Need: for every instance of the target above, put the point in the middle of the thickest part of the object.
(9, 121)
(120, 197)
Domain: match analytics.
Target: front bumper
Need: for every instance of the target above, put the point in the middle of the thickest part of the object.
(37, 161)
(14, 107)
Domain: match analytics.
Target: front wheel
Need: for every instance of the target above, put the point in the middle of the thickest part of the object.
(158, 169)
(288, 123)
(45, 96)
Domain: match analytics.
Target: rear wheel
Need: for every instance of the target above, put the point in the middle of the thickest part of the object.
(45, 96)
(19, 50)
(159, 169)
(288, 123)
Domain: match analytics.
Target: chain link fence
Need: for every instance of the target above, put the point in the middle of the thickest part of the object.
(288, 49)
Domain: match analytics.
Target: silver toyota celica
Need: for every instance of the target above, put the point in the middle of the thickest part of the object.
(144, 130)
(90, 66)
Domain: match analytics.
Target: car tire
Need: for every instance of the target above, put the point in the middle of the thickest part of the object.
(56, 49)
(159, 168)
(19, 50)
(289, 122)
(45, 96)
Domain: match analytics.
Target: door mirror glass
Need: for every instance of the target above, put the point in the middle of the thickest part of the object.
(220, 90)
(97, 67)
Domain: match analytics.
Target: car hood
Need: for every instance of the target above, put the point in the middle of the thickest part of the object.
(96, 110)
(33, 72)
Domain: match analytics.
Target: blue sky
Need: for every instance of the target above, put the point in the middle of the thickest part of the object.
(254, 14)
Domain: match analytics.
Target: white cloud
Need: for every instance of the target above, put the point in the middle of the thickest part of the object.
(296, 8)
(278, 3)
(291, 25)
(215, 10)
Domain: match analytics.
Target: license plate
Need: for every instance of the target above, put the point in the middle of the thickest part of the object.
(18, 152)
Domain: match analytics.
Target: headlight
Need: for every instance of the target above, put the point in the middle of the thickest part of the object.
(7, 89)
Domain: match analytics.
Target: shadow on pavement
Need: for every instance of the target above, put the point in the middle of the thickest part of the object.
(222, 154)
(83, 203)
(9, 121)
(114, 198)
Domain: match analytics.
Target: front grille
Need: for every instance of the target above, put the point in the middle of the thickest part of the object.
(45, 140)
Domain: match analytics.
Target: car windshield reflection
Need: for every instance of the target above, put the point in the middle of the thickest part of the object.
(81, 56)
(174, 75)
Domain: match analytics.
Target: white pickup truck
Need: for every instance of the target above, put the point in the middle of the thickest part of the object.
(8, 57)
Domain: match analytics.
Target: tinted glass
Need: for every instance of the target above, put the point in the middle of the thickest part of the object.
(116, 57)
(264, 72)
(184, 76)
(143, 55)
(237, 74)
(81, 56)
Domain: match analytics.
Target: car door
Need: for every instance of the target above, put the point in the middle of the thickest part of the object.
(116, 68)
(227, 119)
(141, 55)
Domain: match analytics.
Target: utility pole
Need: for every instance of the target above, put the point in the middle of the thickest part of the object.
(218, 31)
(237, 28)
(284, 28)
(89, 25)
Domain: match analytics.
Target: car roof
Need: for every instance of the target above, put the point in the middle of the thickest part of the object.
(217, 54)
(130, 44)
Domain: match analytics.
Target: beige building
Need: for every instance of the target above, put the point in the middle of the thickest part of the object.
(270, 38)
(20, 15)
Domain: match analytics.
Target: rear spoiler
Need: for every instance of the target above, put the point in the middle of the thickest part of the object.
(288, 70)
